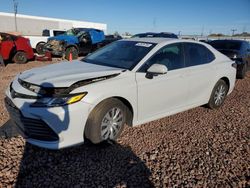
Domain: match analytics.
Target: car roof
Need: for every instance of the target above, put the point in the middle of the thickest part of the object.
(228, 40)
(156, 40)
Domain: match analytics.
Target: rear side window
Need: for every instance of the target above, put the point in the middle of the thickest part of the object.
(197, 54)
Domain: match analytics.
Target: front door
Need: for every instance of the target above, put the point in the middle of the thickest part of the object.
(165, 93)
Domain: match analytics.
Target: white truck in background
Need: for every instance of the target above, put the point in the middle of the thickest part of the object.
(37, 42)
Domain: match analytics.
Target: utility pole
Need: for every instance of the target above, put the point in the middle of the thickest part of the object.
(202, 31)
(233, 30)
(154, 24)
(15, 3)
(179, 34)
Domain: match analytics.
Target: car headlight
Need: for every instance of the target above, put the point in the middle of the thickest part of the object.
(58, 101)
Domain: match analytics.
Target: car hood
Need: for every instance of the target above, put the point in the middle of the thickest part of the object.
(65, 74)
(68, 38)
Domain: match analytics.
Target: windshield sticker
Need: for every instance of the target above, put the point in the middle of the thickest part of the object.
(143, 44)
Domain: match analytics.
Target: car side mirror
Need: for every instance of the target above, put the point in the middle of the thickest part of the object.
(155, 70)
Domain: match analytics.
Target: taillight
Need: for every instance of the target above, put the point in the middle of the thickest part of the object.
(234, 65)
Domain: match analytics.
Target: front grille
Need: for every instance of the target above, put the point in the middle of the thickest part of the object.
(31, 128)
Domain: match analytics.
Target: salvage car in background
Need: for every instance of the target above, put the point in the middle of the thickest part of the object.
(75, 41)
(109, 39)
(15, 48)
(37, 42)
(130, 81)
(238, 51)
(151, 34)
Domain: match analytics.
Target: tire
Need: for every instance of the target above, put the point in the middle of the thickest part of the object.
(73, 51)
(40, 48)
(218, 95)
(243, 71)
(98, 128)
(20, 58)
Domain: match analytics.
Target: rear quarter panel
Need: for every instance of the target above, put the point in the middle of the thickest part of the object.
(23, 44)
(224, 68)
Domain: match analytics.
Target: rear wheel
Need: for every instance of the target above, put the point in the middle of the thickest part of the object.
(40, 48)
(218, 95)
(20, 58)
(106, 121)
(73, 51)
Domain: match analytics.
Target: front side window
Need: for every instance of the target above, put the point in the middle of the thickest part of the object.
(120, 54)
(171, 56)
(197, 54)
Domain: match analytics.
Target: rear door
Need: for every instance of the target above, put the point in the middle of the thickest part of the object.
(200, 72)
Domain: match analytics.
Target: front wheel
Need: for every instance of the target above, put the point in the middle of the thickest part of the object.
(218, 95)
(106, 121)
(20, 58)
(73, 51)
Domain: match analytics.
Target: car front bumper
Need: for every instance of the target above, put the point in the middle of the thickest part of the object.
(55, 49)
(54, 127)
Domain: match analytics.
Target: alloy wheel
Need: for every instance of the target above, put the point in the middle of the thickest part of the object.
(112, 123)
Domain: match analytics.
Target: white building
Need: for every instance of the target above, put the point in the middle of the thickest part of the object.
(34, 25)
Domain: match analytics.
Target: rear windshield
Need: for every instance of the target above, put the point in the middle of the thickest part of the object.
(226, 45)
(120, 54)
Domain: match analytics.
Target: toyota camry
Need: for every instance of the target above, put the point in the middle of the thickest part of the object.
(131, 81)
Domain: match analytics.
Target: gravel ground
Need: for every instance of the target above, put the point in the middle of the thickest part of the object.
(196, 148)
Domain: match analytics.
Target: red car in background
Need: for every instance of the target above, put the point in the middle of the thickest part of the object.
(14, 48)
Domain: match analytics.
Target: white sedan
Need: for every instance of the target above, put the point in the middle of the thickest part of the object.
(130, 81)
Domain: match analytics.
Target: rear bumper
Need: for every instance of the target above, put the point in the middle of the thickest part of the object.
(30, 54)
(54, 50)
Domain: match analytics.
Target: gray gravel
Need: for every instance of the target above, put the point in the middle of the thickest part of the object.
(196, 148)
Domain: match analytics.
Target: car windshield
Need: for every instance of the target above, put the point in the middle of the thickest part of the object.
(80, 33)
(120, 54)
(226, 45)
(75, 31)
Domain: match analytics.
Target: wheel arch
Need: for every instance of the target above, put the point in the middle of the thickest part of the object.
(130, 113)
(126, 102)
(225, 79)
(72, 45)
(41, 42)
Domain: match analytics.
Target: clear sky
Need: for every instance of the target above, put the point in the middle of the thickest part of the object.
(134, 16)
